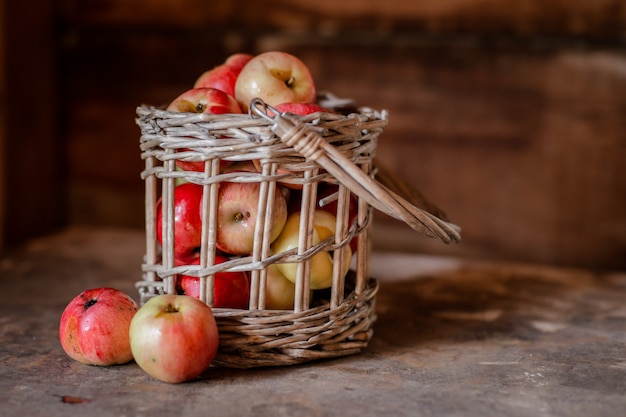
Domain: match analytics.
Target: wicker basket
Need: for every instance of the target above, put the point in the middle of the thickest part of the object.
(291, 151)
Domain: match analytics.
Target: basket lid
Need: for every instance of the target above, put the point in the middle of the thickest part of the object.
(391, 196)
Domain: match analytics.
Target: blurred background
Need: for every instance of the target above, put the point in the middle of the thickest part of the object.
(511, 116)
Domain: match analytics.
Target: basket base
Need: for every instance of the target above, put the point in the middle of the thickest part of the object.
(274, 338)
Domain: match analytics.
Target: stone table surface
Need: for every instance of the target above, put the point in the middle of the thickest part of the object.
(453, 338)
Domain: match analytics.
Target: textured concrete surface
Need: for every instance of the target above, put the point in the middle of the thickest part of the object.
(453, 338)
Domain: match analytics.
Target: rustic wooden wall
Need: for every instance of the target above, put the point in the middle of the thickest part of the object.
(31, 159)
(510, 116)
(2, 130)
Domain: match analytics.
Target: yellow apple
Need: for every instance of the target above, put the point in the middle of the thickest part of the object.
(324, 224)
(279, 291)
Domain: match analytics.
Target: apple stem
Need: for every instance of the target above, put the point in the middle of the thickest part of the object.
(290, 81)
(170, 308)
(239, 216)
(90, 303)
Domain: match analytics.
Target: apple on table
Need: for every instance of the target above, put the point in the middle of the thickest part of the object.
(94, 327)
(174, 338)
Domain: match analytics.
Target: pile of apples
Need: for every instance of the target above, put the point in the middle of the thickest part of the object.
(284, 82)
(174, 337)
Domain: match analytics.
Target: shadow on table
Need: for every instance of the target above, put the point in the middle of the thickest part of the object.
(476, 303)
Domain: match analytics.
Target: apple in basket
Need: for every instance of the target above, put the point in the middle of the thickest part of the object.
(230, 289)
(174, 338)
(187, 222)
(203, 100)
(94, 327)
(324, 224)
(300, 109)
(279, 291)
(327, 190)
(237, 209)
(224, 76)
(275, 77)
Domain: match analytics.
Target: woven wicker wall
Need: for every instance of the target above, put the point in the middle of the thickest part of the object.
(509, 117)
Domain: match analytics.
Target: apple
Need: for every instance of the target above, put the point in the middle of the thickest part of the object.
(275, 77)
(230, 289)
(280, 171)
(279, 291)
(236, 218)
(187, 221)
(301, 109)
(237, 210)
(242, 166)
(238, 60)
(326, 190)
(324, 224)
(203, 100)
(224, 76)
(94, 327)
(174, 338)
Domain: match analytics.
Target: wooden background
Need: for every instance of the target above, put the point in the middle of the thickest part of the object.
(510, 116)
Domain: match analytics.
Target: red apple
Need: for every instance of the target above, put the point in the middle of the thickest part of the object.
(275, 77)
(230, 289)
(94, 327)
(203, 100)
(237, 210)
(324, 225)
(187, 221)
(174, 338)
(238, 60)
(300, 109)
(224, 76)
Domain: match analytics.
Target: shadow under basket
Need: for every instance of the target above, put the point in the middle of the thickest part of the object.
(298, 158)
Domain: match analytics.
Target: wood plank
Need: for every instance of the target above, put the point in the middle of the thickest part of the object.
(521, 143)
(522, 146)
(3, 122)
(604, 18)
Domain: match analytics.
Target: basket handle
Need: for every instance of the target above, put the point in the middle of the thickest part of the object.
(311, 145)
